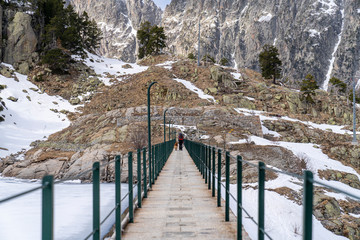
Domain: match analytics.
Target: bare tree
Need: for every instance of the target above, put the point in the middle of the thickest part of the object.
(138, 136)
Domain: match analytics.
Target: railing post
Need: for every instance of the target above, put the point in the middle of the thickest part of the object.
(156, 162)
(239, 197)
(308, 205)
(219, 179)
(48, 208)
(144, 171)
(131, 191)
(261, 217)
(118, 197)
(96, 200)
(205, 163)
(209, 166)
(213, 172)
(227, 189)
(153, 165)
(139, 177)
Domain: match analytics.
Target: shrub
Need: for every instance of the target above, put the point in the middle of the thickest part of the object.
(308, 87)
(208, 58)
(191, 56)
(224, 62)
(57, 60)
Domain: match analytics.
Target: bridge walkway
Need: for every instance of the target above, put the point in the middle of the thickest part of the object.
(180, 206)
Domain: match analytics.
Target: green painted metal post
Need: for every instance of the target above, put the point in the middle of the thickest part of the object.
(96, 201)
(213, 172)
(239, 197)
(48, 208)
(144, 172)
(209, 166)
(227, 187)
(219, 179)
(139, 177)
(156, 157)
(308, 205)
(149, 125)
(118, 197)
(153, 165)
(205, 163)
(131, 190)
(261, 217)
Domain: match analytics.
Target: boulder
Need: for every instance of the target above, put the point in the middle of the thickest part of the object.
(22, 41)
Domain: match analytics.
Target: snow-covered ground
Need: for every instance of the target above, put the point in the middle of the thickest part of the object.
(34, 116)
(196, 90)
(108, 66)
(283, 220)
(21, 218)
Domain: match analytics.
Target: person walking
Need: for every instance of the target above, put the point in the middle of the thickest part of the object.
(181, 140)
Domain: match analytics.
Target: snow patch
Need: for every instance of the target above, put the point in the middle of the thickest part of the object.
(314, 33)
(265, 18)
(196, 90)
(332, 60)
(108, 68)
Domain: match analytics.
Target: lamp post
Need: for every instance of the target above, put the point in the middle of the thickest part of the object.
(149, 133)
(357, 76)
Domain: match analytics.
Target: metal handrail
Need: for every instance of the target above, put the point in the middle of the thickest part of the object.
(203, 154)
(160, 158)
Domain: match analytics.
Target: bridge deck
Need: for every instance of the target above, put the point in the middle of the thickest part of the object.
(180, 206)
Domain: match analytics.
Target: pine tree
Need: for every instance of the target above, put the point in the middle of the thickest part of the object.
(270, 63)
(338, 85)
(151, 39)
(308, 87)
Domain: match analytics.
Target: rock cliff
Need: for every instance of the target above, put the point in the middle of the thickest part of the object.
(119, 20)
(317, 37)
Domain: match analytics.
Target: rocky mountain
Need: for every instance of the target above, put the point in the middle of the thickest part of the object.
(119, 20)
(320, 37)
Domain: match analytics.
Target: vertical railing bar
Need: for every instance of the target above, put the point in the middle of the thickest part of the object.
(96, 201)
(308, 205)
(131, 191)
(239, 197)
(213, 172)
(219, 179)
(261, 217)
(209, 166)
(48, 208)
(118, 197)
(139, 177)
(144, 170)
(227, 186)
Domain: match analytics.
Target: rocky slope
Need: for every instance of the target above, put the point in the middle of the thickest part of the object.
(119, 21)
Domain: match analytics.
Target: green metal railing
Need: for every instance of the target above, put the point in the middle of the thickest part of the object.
(160, 155)
(204, 157)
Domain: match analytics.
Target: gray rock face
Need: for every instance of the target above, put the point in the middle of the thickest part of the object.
(317, 37)
(21, 39)
(119, 20)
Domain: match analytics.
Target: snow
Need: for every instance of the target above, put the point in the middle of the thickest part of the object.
(196, 90)
(234, 60)
(166, 65)
(236, 75)
(249, 98)
(314, 33)
(25, 120)
(358, 10)
(266, 18)
(72, 210)
(332, 60)
(325, 127)
(329, 6)
(109, 66)
(183, 127)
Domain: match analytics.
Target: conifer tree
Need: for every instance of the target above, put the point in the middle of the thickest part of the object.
(151, 39)
(308, 87)
(270, 63)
